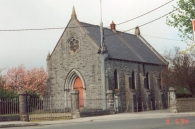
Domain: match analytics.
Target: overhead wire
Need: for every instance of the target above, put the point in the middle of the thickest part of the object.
(105, 35)
(143, 24)
(162, 37)
(145, 13)
(169, 39)
(147, 22)
(57, 28)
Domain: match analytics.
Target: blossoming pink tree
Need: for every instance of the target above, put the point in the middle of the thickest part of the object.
(22, 79)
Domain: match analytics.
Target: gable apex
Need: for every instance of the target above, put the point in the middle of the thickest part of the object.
(79, 25)
(73, 15)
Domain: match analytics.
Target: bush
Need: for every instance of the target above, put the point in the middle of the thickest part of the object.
(7, 93)
(183, 93)
(13, 94)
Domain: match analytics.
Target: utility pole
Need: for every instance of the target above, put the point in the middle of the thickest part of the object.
(102, 51)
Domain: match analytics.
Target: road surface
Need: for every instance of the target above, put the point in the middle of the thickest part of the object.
(185, 122)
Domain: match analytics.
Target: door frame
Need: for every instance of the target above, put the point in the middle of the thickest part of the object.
(69, 83)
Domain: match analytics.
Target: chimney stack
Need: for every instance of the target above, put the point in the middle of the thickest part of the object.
(137, 31)
(112, 26)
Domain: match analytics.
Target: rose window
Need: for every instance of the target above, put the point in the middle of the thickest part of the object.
(74, 45)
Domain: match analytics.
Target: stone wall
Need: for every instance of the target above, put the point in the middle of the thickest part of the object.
(156, 90)
(10, 118)
(130, 94)
(186, 105)
(144, 96)
(86, 62)
(124, 70)
(94, 112)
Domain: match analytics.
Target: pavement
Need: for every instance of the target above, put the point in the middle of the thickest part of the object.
(146, 114)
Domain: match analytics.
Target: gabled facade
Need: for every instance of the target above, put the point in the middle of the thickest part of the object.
(132, 67)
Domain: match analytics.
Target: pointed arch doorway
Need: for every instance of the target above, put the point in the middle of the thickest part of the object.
(79, 86)
(75, 81)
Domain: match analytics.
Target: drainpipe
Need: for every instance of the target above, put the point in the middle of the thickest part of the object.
(102, 51)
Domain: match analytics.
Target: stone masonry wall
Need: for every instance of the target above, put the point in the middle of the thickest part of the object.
(186, 105)
(145, 95)
(156, 92)
(130, 103)
(124, 70)
(86, 61)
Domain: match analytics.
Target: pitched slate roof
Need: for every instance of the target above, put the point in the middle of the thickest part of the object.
(124, 46)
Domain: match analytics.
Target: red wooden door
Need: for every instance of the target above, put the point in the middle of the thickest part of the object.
(79, 86)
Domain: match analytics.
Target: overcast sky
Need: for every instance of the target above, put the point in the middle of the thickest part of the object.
(31, 47)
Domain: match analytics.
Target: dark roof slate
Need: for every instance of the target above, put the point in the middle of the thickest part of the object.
(123, 46)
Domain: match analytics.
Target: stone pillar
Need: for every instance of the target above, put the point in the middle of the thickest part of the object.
(23, 106)
(172, 100)
(149, 102)
(75, 103)
(110, 101)
(117, 102)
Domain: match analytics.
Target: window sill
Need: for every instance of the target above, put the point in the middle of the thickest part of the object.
(116, 90)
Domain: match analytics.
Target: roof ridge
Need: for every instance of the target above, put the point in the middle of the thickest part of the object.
(117, 31)
(125, 33)
(88, 23)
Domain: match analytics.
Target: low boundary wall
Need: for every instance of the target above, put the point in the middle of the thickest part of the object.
(186, 105)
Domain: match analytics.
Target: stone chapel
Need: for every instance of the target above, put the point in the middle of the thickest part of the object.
(132, 67)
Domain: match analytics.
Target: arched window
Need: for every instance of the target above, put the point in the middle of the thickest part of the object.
(115, 79)
(133, 80)
(159, 82)
(146, 81)
(143, 69)
(130, 82)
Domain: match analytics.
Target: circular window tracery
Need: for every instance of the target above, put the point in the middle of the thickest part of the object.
(74, 45)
